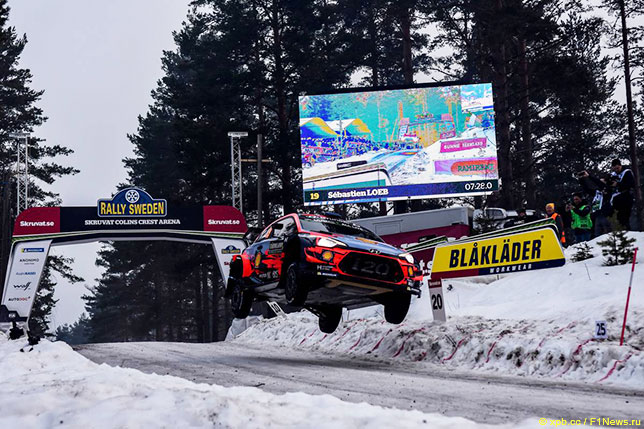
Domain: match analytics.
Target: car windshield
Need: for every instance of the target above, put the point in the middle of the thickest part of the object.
(331, 226)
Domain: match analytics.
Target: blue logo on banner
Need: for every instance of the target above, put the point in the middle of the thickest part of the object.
(32, 249)
(132, 202)
(230, 250)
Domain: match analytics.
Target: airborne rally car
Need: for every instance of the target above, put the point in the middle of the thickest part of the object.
(323, 263)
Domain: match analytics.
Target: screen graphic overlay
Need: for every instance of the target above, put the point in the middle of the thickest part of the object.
(398, 144)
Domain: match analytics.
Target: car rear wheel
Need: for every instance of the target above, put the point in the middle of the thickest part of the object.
(241, 299)
(295, 288)
(329, 318)
(396, 307)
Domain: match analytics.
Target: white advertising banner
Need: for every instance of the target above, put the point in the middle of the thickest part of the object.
(436, 299)
(225, 249)
(26, 266)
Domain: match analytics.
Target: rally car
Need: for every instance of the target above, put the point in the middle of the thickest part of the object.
(323, 263)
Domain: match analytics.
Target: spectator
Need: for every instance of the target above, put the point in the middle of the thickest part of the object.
(552, 214)
(600, 192)
(519, 220)
(581, 223)
(622, 200)
(566, 218)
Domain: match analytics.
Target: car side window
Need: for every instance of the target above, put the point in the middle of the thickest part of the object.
(265, 234)
(278, 227)
(289, 227)
(281, 228)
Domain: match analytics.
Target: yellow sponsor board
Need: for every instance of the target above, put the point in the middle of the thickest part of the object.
(522, 251)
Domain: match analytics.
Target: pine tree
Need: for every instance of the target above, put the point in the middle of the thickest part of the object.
(617, 248)
(552, 90)
(76, 333)
(582, 252)
(485, 222)
(19, 113)
(577, 133)
(44, 302)
(246, 60)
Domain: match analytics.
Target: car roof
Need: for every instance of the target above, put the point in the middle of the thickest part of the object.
(328, 216)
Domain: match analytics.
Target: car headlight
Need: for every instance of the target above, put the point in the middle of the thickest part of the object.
(407, 257)
(329, 242)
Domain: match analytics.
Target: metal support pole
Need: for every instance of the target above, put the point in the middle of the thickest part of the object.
(628, 296)
(22, 171)
(17, 177)
(232, 168)
(239, 177)
(260, 181)
(26, 204)
(235, 167)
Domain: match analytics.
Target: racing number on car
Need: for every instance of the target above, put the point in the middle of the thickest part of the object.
(370, 267)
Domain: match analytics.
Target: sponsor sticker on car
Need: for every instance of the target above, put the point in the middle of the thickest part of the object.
(33, 249)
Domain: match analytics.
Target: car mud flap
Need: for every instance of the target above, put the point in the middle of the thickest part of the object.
(313, 309)
(229, 288)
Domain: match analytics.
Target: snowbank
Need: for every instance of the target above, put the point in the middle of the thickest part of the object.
(52, 385)
(538, 323)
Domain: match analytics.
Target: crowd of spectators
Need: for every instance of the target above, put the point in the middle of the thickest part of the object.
(316, 150)
(605, 203)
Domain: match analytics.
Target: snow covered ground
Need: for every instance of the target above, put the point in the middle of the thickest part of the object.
(530, 324)
(53, 386)
(538, 324)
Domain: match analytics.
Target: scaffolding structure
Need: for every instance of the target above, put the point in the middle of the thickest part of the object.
(235, 167)
(22, 171)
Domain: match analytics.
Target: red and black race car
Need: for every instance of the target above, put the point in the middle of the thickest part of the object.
(323, 263)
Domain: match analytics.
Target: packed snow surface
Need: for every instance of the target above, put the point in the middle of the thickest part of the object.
(51, 385)
(538, 323)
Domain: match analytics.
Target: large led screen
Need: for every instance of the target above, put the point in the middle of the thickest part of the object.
(398, 144)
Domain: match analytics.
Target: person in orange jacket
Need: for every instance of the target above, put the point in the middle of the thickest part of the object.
(552, 214)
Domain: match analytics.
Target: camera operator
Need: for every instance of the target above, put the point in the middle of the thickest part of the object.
(599, 192)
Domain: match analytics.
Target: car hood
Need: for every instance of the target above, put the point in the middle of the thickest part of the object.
(367, 245)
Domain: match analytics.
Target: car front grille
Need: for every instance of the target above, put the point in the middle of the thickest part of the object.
(371, 266)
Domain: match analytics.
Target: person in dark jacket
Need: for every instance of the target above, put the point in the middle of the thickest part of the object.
(566, 218)
(599, 192)
(581, 223)
(622, 199)
(521, 219)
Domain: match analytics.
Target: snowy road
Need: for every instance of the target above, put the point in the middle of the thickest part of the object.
(479, 397)
(393, 160)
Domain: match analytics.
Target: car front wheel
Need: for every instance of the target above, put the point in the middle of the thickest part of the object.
(241, 300)
(295, 288)
(329, 318)
(396, 307)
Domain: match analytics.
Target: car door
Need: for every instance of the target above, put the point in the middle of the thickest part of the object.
(286, 230)
(267, 257)
(254, 253)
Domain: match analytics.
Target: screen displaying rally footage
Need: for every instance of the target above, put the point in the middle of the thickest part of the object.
(398, 144)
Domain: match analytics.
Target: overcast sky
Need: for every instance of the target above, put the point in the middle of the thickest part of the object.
(97, 62)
